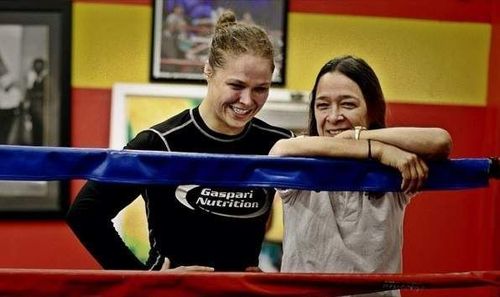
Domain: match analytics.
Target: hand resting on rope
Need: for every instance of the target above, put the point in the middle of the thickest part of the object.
(192, 268)
(413, 169)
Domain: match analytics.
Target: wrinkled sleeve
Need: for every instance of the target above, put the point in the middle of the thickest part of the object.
(288, 195)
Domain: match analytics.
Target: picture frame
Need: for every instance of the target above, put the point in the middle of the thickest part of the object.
(284, 108)
(35, 50)
(136, 107)
(181, 39)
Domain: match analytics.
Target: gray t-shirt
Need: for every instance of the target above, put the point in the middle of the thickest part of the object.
(343, 232)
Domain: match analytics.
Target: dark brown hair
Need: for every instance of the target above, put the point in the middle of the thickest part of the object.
(363, 75)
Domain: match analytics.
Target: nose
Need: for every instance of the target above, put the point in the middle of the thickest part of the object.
(246, 97)
(335, 116)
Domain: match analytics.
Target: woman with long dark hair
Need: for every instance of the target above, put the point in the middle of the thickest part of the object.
(353, 231)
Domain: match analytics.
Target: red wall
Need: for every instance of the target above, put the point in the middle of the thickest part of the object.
(448, 231)
(494, 120)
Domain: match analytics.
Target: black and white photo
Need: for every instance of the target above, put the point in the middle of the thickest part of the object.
(34, 95)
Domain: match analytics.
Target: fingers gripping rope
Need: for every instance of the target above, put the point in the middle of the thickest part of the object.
(148, 167)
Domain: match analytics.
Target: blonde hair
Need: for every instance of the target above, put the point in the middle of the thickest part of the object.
(235, 38)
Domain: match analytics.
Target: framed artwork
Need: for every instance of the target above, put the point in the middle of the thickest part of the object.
(136, 107)
(182, 30)
(35, 39)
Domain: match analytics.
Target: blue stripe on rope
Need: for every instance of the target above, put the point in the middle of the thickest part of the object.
(147, 167)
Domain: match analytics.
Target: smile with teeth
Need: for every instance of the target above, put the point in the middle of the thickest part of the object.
(240, 111)
(335, 131)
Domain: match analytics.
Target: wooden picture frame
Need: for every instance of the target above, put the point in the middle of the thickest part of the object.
(35, 43)
(136, 107)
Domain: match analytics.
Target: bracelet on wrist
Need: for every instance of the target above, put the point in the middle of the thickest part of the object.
(369, 149)
(357, 131)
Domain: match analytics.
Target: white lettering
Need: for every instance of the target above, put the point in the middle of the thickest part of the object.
(207, 192)
(226, 204)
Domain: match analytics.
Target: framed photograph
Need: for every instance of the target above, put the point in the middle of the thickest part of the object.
(136, 107)
(35, 39)
(182, 30)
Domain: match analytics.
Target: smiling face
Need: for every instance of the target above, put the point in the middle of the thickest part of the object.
(339, 105)
(236, 92)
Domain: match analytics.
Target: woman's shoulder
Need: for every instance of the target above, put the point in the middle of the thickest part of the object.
(173, 122)
(154, 137)
(146, 140)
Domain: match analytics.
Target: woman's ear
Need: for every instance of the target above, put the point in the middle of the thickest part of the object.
(207, 71)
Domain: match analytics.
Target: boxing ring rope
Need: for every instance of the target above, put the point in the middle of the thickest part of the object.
(57, 163)
(150, 167)
(49, 283)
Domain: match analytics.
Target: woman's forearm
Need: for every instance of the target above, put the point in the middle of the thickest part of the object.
(425, 142)
(321, 146)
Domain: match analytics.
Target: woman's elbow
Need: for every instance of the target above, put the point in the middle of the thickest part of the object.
(278, 148)
(443, 143)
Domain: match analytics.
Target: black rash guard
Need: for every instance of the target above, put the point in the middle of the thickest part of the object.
(190, 224)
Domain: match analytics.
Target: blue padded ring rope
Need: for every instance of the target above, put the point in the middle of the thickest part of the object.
(148, 167)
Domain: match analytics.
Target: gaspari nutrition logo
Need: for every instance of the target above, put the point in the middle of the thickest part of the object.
(227, 202)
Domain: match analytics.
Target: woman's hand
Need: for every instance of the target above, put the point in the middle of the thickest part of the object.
(347, 134)
(413, 169)
(193, 268)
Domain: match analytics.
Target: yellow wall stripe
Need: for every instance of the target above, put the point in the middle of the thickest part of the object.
(418, 61)
(111, 43)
